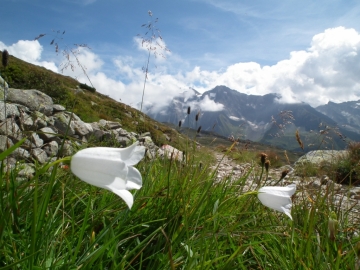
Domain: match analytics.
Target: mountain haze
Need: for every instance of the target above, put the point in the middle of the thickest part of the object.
(346, 114)
(257, 118)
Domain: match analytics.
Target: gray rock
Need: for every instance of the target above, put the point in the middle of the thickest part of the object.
(9, 163)
(99, 134)
(26, 121)
(170, 152)
(124, 141)
(318, 156)
(11, 129)
(62, 123)
(27, 170)
(5, 143)
(58, 108)
(39, 155)
(166, 137)
(36, 140)
(33, 99)
(47, 134)
(11, 110)
(20, 153)
(4, 88)
(102, 123)
(145, 134)
(51, 148)
(112, 125)
(47, 110)
(67, 149)
(40, 120)
(81, 128)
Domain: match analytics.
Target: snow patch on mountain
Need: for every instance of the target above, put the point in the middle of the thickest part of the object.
(234, 118)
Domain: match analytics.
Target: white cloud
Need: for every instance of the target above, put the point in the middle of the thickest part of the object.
(327, 71)
(81, 62)
(206, 104)
(156, 46)
(29, 51)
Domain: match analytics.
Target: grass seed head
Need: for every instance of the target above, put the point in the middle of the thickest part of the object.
(284, 173)
(297, 135)
(5, 58)
(267, 165)
(197, 116)
(263, 157)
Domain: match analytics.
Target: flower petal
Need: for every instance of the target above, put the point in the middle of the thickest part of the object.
(137, 153)
(274, 201)
(133, 179)
(287, 212)
(278, 198)
(284, 191)
(92, 166)
(100, 179)
(125, 195)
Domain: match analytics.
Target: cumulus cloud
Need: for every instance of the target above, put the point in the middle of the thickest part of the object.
(328, 70)
(157, 47)
(29, 51)
(206, 104)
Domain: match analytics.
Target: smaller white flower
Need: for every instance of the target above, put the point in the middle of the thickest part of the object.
(278, 198)
(110, 168)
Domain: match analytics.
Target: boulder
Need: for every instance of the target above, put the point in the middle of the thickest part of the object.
(33, 99)
(3, 89)
(170, 152)
(318, 157)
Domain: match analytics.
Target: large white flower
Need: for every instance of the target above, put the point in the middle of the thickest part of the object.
(110, 168)
(277, 198)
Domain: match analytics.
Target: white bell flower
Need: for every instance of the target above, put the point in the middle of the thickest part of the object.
(110, 168)
(278, 198)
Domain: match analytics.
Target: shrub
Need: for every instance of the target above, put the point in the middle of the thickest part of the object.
(347, 169)
(87, 87)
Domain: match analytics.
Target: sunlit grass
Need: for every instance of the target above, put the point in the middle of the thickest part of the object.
(180, 220)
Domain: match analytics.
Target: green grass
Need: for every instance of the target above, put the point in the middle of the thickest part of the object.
(180, 220)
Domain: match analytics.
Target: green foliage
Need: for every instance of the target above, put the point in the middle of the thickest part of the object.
(307, 169)
(347, 169)
(180, 220)
(87, 87)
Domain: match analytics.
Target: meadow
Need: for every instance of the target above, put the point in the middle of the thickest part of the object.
(181, 217)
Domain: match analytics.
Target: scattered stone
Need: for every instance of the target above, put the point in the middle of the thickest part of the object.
(47, 134)
(39, 155)
(11, 110)
(170, 152)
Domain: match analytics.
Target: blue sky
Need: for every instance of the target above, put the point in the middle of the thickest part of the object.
(305, 50)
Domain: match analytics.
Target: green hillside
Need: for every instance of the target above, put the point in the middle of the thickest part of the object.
(88, 104)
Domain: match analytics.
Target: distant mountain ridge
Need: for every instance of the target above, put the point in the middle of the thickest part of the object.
(346, 114)
(258, 118)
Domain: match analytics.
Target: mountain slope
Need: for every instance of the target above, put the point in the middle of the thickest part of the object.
(346, 114)
(257, 118)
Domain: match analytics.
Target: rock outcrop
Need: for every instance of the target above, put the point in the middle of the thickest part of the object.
(52, 131)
